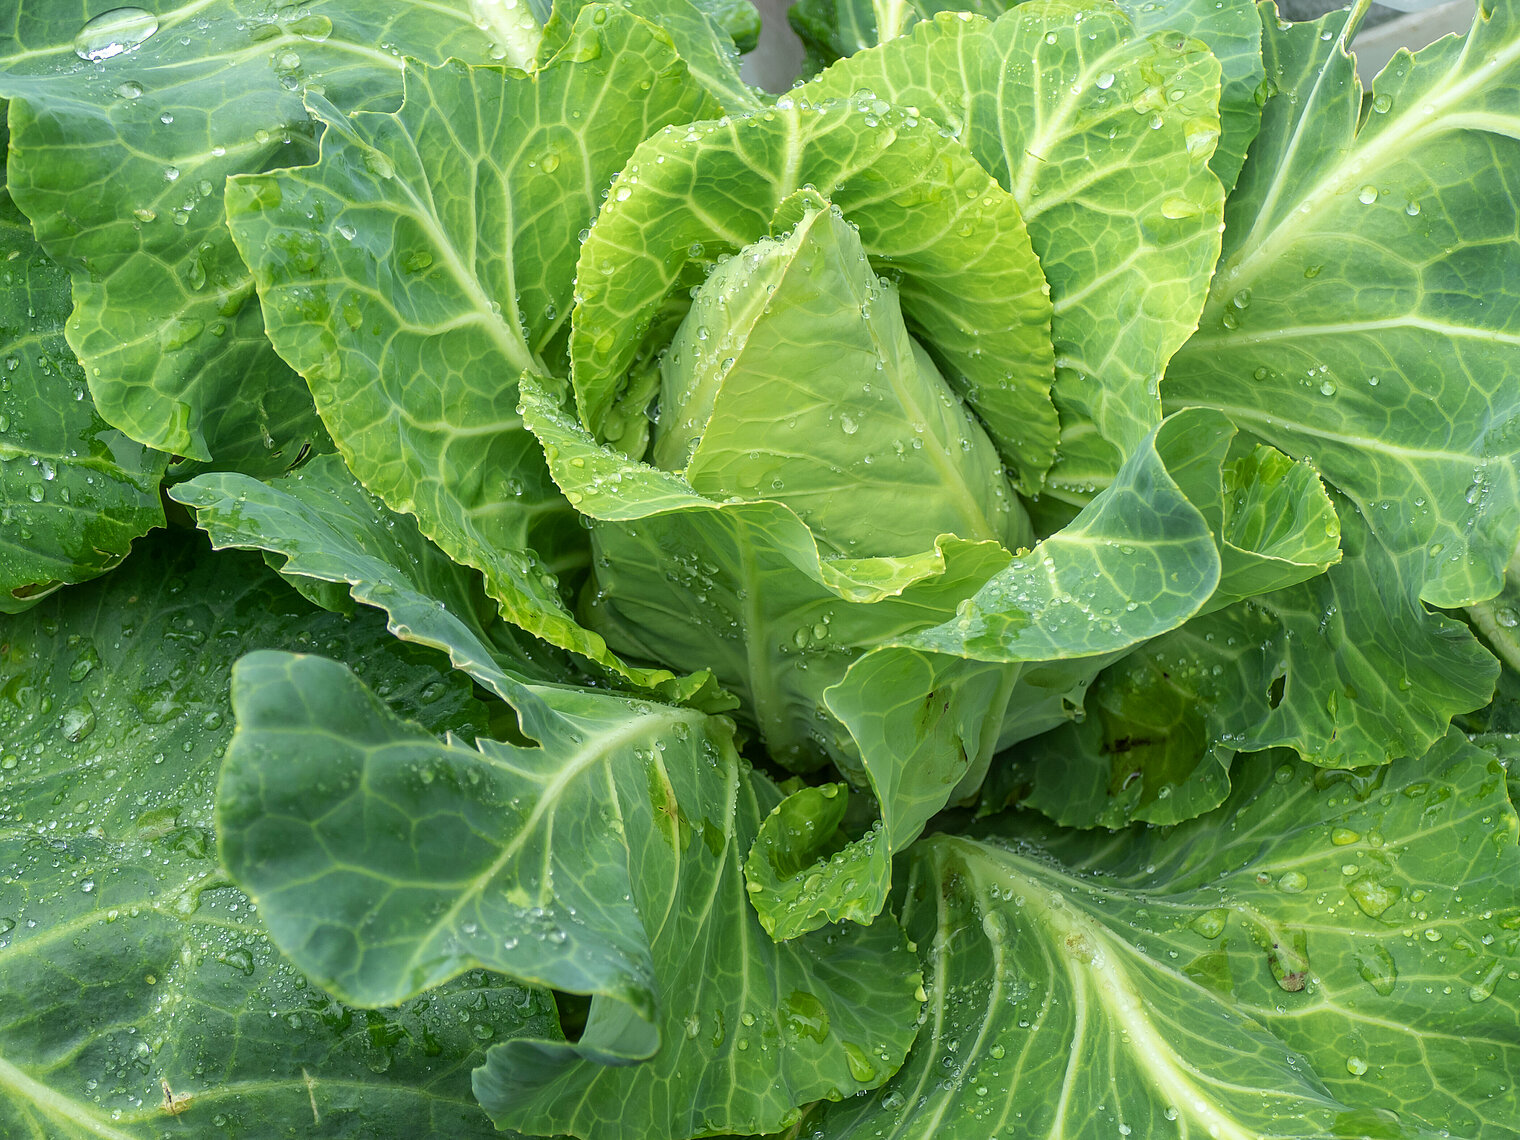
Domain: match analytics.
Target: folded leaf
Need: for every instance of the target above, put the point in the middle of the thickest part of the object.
(161, 108)
(968, 281)
(139, 994)
(602, 860)
(742, 586)
(466, 205)
(1103, 136)
(1360, 316)
(74, 492)
(927, 710)
(321, 527)
(875, 453)
(1326, 954)
(1348, 668)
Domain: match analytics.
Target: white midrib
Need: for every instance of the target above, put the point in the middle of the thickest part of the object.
(55, 1104)
(1102, 976)
(1401, 135)
(509, 340)
(593, 752)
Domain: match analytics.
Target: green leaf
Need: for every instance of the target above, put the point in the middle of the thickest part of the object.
(131, 971)
(466, 204)
(738, 18)
(927, 710)
(969, 284)
(806, 828)
(1361, 315)
(1347, 668)
(165, 324)
(593, 861)
(702, 32)
(1498, 619)
(321, 527)
(74, 492)
(1230, 28)
(741, 586)
(1326, 955)
(875, 453)
(1103, 136)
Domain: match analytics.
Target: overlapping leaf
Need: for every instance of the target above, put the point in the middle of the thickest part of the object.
(427, 258)
(968, 281)
(139, 994)
(1326, 954)
(1363, 311)
(74, 493)
(603, 859)
(1103, 135)
(741, 586)
(331, 539)
(876, 430)
(161, 103)
(701, 31)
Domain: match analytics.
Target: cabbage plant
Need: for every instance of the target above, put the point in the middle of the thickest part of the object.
(549, 591)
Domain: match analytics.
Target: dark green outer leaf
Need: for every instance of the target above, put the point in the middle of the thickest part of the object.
(166, 325)
(320, 527)
(129, 968)
(1365, 309)
(74, 492)
(1326, 955)
(603, 860)
(427, 258)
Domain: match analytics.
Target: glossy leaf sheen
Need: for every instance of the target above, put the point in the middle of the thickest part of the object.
(74, 492)
(131, 970)
(1360, 315)
(166, 323)
(593, 861)
(1326, 954)
(925, 212)
(1103, 135)
(427, 258)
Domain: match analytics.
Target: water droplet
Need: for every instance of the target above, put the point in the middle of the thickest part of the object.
(1344, 836)
(1327, 387)
(111, 33)
(805, 1016)
(861, 1066)
(1105, 81)
(417, 261)
(1355, 1066)
(1367, 195)
(1381, 103)
(1490, 970)
(1412, 209)
(1292, 882)
(130, 90)
(1211, 923)
(1377, 968)
(1177, 208)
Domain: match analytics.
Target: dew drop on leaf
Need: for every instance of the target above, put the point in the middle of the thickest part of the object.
(111, 33)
